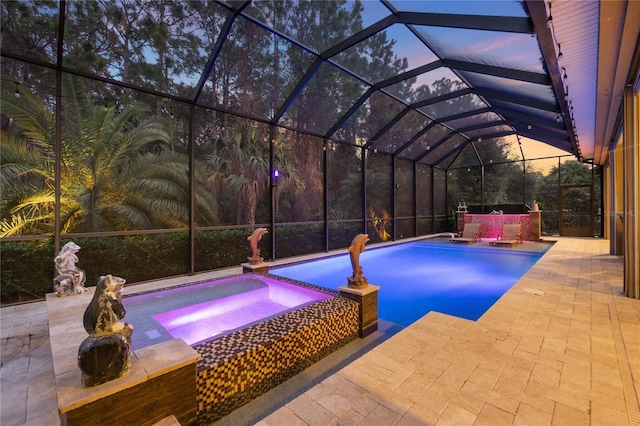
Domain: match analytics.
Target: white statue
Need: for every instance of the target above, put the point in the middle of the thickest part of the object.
(70, 279)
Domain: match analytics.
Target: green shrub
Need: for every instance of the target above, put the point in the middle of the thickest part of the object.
(298, 240)
(27, 268)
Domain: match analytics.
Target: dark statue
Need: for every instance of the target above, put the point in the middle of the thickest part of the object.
(104, 355)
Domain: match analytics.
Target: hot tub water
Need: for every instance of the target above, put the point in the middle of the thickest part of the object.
(201, 311)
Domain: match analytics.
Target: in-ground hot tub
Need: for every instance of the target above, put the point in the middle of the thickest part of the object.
(201, 311)
(252, 332)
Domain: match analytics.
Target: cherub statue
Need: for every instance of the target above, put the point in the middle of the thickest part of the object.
(462, 206)
(70, 279)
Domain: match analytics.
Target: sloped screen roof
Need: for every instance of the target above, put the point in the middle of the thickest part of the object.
(418, 79)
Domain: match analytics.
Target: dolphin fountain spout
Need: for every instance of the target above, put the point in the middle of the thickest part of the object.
(253, 243)
(357, 280)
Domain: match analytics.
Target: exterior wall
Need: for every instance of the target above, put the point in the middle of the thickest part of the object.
(631, 198)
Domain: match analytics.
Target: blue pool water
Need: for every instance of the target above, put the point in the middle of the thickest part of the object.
(419, 277)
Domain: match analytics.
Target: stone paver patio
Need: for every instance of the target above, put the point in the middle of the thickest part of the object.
(561, 347)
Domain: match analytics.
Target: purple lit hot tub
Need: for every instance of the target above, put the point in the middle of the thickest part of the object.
(252, 332)
(205, 310)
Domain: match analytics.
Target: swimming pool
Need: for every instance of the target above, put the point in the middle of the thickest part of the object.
(419, 277)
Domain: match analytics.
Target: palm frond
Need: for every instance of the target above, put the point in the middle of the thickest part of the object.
(76, 112)
(123, 145)
(164, 188)
(18, 161)
(14, 225)
(32, 211)
(130, 216)
(29, 113)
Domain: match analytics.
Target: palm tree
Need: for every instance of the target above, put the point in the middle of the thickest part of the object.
(116, 171)
(241, 163)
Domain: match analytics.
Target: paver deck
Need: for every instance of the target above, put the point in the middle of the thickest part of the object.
(561, 347)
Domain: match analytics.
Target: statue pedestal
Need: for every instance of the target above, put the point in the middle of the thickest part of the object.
(162, 380)
(535, 229)
(367, 298)
(258, 268)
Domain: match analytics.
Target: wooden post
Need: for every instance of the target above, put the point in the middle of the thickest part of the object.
(460, 221)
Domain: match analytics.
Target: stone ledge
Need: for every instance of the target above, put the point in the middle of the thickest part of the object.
(66, 332)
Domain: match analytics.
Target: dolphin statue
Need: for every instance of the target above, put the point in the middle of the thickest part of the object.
(357, 246)
(253, 241)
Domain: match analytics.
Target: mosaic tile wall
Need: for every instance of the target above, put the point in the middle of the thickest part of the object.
(243, 365)
(491, 224)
